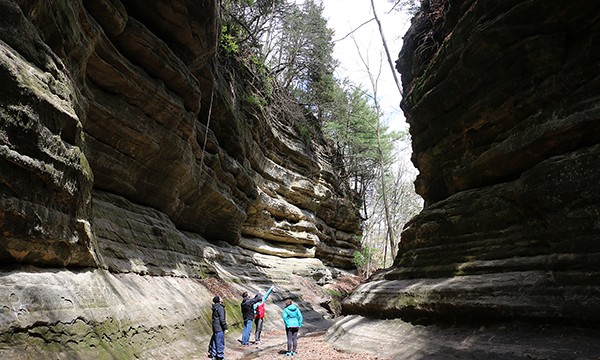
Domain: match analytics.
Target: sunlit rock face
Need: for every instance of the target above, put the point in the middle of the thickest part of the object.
(502, 101)
(131, 156)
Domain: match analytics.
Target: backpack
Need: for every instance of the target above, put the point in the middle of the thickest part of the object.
(260, 311)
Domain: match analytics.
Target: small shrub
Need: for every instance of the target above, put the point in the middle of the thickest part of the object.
(228, 42)
(256, 101)
(303, 131)
(334, 293)
(360, 259)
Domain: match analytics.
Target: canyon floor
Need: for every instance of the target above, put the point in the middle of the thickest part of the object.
(311, 346)
(490, 343)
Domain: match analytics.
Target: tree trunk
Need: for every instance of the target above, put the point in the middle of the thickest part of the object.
(387, 51)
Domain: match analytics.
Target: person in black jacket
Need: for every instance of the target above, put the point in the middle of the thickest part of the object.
(248, 315)
(216, 348)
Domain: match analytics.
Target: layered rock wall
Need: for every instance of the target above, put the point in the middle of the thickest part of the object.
(133, 173)
(143, 109)
(502, 101)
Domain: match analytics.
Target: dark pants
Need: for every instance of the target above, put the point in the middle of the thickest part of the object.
(292, 338)
(258, 323)
(217, 345)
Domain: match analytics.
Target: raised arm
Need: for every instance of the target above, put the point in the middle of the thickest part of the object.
(267, 294)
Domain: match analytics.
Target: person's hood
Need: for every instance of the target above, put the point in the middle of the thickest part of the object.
(292, 308)
(215, 306)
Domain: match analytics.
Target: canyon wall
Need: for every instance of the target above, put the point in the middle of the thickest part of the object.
(137, 180)
(502, 98)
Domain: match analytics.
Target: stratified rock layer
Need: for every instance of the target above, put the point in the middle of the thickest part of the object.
(133, 172)
(502, 101)
(131, 99)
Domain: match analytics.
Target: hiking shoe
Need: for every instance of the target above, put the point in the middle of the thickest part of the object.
(289, 353)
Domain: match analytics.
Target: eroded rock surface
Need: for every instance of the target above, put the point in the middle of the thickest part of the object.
(132, 169)
(125, 92)
(501, 97)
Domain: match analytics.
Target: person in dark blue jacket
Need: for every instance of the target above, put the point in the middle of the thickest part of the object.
(216, 347)
(248, 315)
(292, 318)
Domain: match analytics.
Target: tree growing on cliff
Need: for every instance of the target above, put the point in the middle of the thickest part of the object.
(248, 21)
(391, 202)
(294, 43)
(370, 152)
(352, 127)
(302, 59)
(294, 46)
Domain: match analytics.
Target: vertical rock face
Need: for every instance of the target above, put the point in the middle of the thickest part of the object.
(130, 156)
(502, 101)
(502, 263)
(129, 99)
(45, 179)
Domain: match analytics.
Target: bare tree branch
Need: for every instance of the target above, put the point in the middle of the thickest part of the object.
(385, 46)
(353, 31)
(386, 205)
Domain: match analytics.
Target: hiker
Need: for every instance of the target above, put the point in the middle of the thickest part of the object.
(292, 317)
(216, 347)
(259, 315)
(248, 315)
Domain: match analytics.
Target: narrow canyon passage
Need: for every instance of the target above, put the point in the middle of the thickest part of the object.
(152, 157)
(402, 341)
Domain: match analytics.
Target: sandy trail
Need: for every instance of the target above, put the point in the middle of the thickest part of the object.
(311, 346)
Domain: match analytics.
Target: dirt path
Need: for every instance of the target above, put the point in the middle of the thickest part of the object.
(273, 346)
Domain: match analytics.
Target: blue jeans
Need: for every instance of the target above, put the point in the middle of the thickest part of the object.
(217, 345)
(246, 332)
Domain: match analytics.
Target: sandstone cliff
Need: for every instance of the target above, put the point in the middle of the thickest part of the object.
(133, 173)
(502, 101)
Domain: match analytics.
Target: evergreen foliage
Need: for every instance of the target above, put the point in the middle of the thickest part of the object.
(290, 46)
(352, 126)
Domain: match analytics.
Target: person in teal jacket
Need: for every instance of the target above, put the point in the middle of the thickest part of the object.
(292, 318)
(259, 315)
